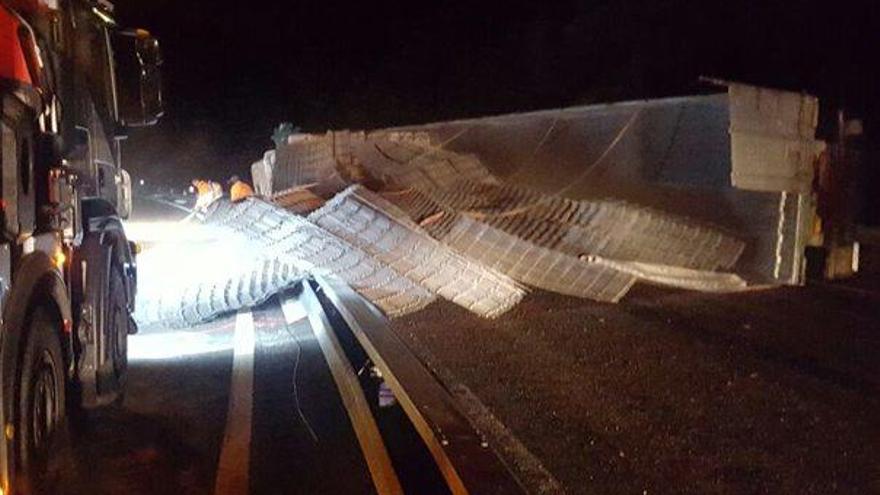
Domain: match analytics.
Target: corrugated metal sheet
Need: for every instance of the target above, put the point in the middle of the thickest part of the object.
(304, 160)
(413, 164)
(567, 271)
(672, 155)
(361, 218)
(438, 189)
(178, 288)
(611, 229)
(535, 265)
(290, 238)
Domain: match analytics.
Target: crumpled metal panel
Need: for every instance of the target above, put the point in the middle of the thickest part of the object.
(672, 155)
(535, 265)
(423, 210)
(538, 266)
(609, 229)
(521, 259)
(365, 220)
(262, 172)
(170, 299)
(435, 187)
(675, 276)
(403, 164)
(285, 236)
(304, 160)
(636, 190)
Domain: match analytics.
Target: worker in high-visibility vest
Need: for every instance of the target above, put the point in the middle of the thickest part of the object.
(239, 189)
(206, 192)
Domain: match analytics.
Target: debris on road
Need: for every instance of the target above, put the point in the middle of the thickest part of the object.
(404, 216)
(403, 222)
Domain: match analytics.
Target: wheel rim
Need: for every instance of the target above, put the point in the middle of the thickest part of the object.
(45, 401)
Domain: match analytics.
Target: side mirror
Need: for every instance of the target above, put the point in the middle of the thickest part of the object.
(138, 79)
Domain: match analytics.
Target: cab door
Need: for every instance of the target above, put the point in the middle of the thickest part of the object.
(18, 137)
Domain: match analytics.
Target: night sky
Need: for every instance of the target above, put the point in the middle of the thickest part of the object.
(233, 70)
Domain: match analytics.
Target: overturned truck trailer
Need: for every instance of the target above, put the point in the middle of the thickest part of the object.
(740, 163)
(710, 193)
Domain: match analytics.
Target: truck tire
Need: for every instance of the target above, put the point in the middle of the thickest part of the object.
(41, 398)
(118, 330)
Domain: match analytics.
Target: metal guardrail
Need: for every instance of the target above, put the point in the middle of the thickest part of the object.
(464, 458)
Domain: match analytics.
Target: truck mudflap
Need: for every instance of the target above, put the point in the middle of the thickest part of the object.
(37, 280)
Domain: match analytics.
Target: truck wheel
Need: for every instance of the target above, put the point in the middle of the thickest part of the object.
(41, 396)
(119, 328)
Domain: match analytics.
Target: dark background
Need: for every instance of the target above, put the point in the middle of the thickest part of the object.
(233, 70)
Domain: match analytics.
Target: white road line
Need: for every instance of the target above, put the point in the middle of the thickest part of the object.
(234, 466)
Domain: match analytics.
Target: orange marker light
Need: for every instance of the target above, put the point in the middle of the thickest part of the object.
(59, 258)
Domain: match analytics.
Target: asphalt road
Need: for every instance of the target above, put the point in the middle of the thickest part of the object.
(245, 404)
(770, 391)
(670, 391)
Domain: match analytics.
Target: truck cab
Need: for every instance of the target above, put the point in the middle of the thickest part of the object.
(72, 85)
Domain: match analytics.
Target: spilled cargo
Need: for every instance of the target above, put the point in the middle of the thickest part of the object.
(584, 201)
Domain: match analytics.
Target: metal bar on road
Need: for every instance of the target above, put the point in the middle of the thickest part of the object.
(352, 396)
